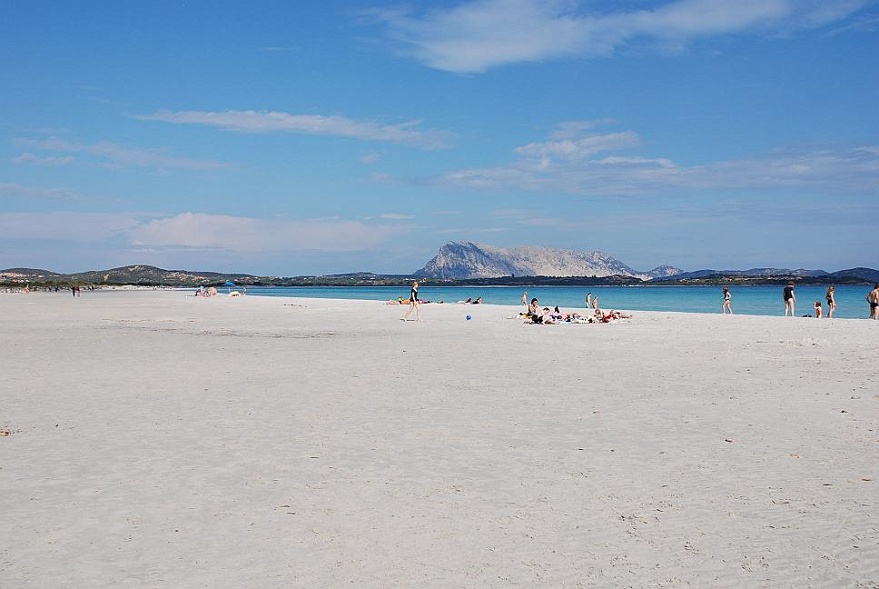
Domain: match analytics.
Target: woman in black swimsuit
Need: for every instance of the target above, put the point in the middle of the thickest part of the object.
(831, 301)
(413, 303)
(790, 300)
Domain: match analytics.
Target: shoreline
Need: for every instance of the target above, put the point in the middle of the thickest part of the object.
(752, 303)
(159, 439)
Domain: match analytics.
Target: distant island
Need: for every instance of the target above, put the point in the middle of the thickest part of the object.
(456, 264)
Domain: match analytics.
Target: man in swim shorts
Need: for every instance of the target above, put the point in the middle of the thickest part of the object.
(873, 299)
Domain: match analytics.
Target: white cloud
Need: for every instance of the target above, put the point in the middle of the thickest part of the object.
(826, 169)
(578, 148)
(576, 129)
(109, 153)
(247, 234)
(571, 166)
(692, 19)
(249, 121)
(478, 35)
(396, 216)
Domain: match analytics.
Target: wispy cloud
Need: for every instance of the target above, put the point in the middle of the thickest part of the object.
(478, 35)
(29, 159)
(371, 158)
(38, 193)
(248, 234)
(588, 164)
(396, 216)
(201, 231)
(112, 154)
(578, 148)
(249, 121)
(67, 226)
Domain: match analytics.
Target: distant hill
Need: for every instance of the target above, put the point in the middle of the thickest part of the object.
(150, 275)
(27, 274)
(124, 275)
(751, 273)
(775, 275)
(144, 275)
(466, 260)
(868, 274)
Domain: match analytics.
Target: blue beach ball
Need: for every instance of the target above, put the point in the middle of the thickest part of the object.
(469, 317)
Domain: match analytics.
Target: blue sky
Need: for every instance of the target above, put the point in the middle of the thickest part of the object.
(288, 138)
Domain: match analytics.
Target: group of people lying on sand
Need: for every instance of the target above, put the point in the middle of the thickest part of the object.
(547, 316)
(402, 301)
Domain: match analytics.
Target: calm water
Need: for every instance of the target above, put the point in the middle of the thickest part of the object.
(749, 300)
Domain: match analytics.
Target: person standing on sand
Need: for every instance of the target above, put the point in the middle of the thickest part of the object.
(727, 302)
(413, 303)
(790, 300)
(831, 300)
(525, 300)
(588, 299)
(873, 299)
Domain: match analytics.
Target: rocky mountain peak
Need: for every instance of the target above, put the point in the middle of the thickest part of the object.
(467, 259)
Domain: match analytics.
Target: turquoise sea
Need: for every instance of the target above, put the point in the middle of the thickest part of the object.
(746, 300)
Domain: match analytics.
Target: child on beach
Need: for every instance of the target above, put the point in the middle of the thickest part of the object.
(818, 311)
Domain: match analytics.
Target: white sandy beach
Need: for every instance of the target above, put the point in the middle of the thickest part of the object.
(156, 439)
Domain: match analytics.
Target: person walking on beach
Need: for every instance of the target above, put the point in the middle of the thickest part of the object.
(727, 302)
(790, 300)
(830, 297)
(413, 303)
(525, 300)
(873, 300)
(588, 300)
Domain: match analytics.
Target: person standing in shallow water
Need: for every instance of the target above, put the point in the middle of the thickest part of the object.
(790, 300)
(830, 297)
(727, 302)
(413, 303)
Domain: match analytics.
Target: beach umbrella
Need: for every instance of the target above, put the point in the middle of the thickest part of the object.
(230, 284)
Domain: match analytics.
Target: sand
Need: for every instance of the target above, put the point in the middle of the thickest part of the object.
(156, 439)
